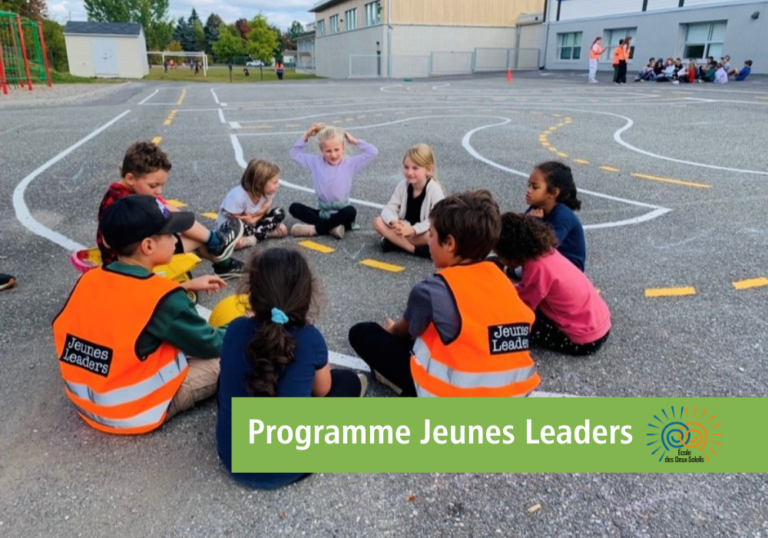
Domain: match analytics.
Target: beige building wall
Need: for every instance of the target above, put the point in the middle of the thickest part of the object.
(79, 55)
(332, 52)
(462, 12)
(129, 64)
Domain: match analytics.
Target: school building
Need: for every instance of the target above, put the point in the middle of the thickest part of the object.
(419, 38)
(689, 29)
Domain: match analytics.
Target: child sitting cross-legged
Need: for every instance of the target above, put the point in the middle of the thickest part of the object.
(465, 331)
(126, 337)
(571, 317)
(404, 221)
(332, 174)
(251, 203)
(276, 352)
(145, 171)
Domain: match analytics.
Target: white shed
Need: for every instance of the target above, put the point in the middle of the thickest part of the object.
(106, 49)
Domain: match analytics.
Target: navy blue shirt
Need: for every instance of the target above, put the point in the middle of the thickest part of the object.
(311, 354)
(570, 234)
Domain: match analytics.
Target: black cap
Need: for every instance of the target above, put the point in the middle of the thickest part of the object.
(139, 216)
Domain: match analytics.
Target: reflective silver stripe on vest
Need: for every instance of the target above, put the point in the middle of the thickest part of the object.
(134, 392)
(466, 380)
(147, 418)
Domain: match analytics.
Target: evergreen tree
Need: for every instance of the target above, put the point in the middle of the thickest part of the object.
(212, 31)
(295, 30)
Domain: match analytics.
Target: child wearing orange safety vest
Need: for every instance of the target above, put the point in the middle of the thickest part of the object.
(595, 51)
(127, 361)
(465, 331)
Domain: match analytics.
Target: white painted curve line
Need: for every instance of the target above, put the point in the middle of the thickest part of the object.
(215, 97)
(22, 211)
(657, 210)
(630, 123)
(285, 183)
(151, 95)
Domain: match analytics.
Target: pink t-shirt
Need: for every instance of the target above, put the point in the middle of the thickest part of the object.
(556, 287)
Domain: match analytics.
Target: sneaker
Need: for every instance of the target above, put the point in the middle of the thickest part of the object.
(235, 269)
(229, 234)
(6, 281)
(303, 230)
(387, 245)
(337, 232)
(384, 381)
(246, 241)
(422, 251)
(277, 233)
(363, 384)
(593, 82)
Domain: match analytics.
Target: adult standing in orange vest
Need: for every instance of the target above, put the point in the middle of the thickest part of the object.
(126, 335)
(617, 55)
(595, 51)
(623, 57)
(465, 331)
(279, 70)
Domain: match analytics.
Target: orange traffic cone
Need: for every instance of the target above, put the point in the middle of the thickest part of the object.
(509, 74)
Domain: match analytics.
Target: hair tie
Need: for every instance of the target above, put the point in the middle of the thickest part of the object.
(278, 316)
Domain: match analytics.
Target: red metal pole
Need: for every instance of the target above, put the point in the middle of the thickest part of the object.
(24, 51)
(3, 79)
(45, 53)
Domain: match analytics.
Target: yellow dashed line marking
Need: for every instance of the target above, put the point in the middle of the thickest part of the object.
(167, 122)
(546, 144)
(170, 117)
(580, 161)
(176, 203)
(181, 98)
(383, 266)
(156, 141)
(669, 292)
(553, 150)
(210, 215)
(609, 169)
(673, 181)
(311, 245)
(563, 155)
(751, 283)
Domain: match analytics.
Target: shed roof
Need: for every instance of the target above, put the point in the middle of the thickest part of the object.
(102, 28)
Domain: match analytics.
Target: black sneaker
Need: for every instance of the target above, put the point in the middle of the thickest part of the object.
(233, 270)
(387, 246)
(229, 234)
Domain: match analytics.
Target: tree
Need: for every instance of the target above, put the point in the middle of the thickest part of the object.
(262, 40)
(183, 34)
(288, 43)
(175, 46)
(227, 46)
(198, 36)
(212, 31)
(295, 30)
(277, 51)
(151, 14)
(53, 33)
(193, 17)
(31, 9)
(242, 27)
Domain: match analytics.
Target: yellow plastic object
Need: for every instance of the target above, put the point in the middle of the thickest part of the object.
(178, 267)
(228, 310)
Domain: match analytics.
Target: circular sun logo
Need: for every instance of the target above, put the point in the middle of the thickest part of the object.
(683, 436)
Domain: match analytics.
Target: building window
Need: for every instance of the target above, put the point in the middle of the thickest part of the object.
(373, 13)
(350, 16)
(704, 39)
(569, 46)
(334, 20)
(320, 30)
(612, 38)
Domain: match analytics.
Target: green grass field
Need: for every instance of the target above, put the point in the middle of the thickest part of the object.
(221, 74)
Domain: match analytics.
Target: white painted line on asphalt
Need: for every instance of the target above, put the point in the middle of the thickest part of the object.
(234, 125)
(215, 97)
(221, 115)
(151, 95)
(617, 138)
(285, 183)
(22, 211)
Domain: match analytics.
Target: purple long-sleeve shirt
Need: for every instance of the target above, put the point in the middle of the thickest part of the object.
(333, 183)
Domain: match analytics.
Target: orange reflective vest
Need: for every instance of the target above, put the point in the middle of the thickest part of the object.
(618, 55)
(490, 356)
(595, 52)
(113, 389)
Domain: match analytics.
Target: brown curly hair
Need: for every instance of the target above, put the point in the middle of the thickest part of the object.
(143, 158)
(524, 238)
(472, 218)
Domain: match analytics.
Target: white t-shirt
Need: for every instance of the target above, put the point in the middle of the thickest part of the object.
(238, 202)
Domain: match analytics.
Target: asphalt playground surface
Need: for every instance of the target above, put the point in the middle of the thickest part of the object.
(673, 185)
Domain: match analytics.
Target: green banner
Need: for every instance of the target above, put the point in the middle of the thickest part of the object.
(564, 435)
